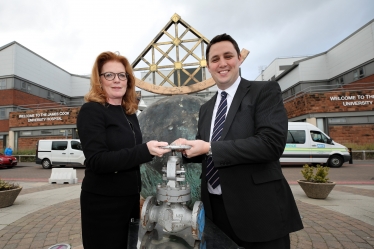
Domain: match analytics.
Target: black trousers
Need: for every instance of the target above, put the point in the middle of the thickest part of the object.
(221, 220)
(105, 219)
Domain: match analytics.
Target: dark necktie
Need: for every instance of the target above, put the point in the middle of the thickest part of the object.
(212, 173)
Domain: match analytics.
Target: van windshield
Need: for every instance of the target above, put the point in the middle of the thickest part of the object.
(318, 137)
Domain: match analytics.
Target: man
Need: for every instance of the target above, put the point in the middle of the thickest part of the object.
(8, 151)
(244, 193)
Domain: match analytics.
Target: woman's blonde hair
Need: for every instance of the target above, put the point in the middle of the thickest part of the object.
(97, 93)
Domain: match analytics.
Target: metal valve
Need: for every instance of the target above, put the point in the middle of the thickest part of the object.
(169, 208)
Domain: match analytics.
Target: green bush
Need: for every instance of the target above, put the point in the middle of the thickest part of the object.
(24, 152)
(360, 146)
(320, 175)
(7, 185)
(30, 152)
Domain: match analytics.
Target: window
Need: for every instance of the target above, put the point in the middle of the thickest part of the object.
(2, 84)
(65, 132)
(318, 137)
(321, 124)
(296, 137)
(337, 121)
(2, 113)
(59, 145)
(76, 145)
(358, 73)
(340, 81)
(292, 91)
(50, 95)
(25, 87)
(25, 133)
(44, 133)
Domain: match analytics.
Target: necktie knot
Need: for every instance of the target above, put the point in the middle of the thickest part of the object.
(223, 94)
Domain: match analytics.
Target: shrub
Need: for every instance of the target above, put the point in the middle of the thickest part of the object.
(320, 175)
(24, 158)
(360, 146)
(4, 185)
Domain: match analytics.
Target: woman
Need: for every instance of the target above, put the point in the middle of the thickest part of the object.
(112, 144)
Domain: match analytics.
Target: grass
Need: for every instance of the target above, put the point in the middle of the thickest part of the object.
(360, 155)
(359, 146)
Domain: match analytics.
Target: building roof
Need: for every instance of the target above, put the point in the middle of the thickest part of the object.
(296, 63)
(16, 43)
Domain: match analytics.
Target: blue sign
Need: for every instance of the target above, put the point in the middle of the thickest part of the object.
(290, 145)
(320, 146)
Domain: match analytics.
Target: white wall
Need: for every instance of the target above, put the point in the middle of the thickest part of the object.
(350, 53)
(34, 68)
(290, 79)
(314, 69)
(354, 51)
(273, 68)
(269, 71)
(79, 85)
(7, 61)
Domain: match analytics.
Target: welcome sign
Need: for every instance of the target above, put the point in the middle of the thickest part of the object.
(354, 100)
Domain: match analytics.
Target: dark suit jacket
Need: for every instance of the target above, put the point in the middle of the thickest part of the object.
(257, 198)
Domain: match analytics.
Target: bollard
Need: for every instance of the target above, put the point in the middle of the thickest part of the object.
(350, 153)
(63, 176)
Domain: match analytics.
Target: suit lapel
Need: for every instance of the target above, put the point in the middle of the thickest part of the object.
(207, 118)
(242, 90)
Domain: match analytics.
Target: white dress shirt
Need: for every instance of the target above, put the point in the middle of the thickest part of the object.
(230, 96)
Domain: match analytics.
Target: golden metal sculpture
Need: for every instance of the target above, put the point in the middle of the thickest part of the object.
(178, 63)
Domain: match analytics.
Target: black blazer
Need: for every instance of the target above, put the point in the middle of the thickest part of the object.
(257, 197)
(113, 147)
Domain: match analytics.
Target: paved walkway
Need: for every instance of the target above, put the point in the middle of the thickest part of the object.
(45, 214)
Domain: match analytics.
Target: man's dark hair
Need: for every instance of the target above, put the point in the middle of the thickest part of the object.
(220, 38)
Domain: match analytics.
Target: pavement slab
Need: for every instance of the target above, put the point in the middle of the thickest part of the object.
(46, 214)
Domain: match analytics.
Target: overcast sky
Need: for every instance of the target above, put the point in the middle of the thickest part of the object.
(71, 33)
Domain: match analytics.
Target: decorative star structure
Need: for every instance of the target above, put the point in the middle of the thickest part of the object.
(170, 53)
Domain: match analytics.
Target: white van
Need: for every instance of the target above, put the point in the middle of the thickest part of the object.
(306, 144)
(60, 152)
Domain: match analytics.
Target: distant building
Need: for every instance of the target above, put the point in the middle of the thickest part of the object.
(333, 90)
(39, 100)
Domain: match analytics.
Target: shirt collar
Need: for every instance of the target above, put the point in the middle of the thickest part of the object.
(232, 89)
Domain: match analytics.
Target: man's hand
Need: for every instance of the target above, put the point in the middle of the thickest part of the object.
(198, 147)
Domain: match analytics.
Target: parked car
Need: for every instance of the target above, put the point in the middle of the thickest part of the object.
(7, 161)
(60, 152)
(306, 144)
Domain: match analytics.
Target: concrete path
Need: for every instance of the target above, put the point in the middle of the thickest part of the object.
(45, 214)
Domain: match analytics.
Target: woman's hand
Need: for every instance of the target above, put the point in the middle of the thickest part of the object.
(155, 149)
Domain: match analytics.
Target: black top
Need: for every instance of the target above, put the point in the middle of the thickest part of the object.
(112, 145)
